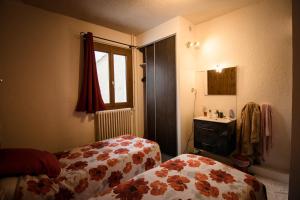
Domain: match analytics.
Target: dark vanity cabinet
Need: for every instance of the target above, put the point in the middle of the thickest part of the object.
(215, 137)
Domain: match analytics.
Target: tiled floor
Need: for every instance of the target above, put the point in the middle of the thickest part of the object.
(275, 190)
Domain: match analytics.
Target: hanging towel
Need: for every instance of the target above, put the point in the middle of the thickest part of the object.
(267, 124)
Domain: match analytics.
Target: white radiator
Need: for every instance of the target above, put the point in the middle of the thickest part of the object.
(113, 123)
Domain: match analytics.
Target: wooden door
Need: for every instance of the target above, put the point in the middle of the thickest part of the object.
(165, 95)
(150, 94)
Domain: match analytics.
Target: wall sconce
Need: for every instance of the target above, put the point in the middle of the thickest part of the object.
(190, 44)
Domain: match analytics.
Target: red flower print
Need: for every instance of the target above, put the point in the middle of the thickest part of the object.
(128, 137)
(113, 145)
(193, 163)
(149, 164)
(207, 161)
(64, 194)
(177, 164)
(162, 173)
(60, 179)
(62, 164)
(251, 180)
(85, 149)
(191, 156)
(115, 178)
(120, 140)
(105, 192)
(221, 176)
(99, 145)
(88, 154)
(63, 154)
(82, 185)
(139, 144)
(157, 157)
(147, 150)
(206, 189)
(127, 168)
(132, 189)
(77, 165)
(107, 151)
(230, 196)
(158, 188)
(121, 151)
(74, 155)
(98, 173)
(138, 158)
(201, 177)
(103, 156)
(125, 143)
(112, 162)
(178, 182)
(41, 187)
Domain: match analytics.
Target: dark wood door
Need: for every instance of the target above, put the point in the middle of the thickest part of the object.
(165, 95)
(150, 94)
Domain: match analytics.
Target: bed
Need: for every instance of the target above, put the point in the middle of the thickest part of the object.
(87, 170)
(188, 177)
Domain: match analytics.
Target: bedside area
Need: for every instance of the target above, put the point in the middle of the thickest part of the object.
(215, 135)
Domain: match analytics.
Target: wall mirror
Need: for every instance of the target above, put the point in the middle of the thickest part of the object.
(216, 90)
(221, 83)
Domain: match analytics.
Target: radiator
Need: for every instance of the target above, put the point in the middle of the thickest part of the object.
(113, 123)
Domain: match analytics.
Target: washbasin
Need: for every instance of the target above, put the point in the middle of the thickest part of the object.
(212, 119)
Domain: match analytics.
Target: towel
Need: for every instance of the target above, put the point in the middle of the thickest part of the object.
(266, 129)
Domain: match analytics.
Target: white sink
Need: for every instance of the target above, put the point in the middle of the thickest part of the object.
(212, 119)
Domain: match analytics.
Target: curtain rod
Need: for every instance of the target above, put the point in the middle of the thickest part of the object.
(130, 46)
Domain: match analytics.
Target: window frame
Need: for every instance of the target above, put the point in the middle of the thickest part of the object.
(114, 50)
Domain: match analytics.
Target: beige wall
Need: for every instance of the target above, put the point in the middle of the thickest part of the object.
(39, 62)
(258, 39)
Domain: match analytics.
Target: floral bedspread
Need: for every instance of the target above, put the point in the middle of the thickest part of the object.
(93, 168)
(188, 177)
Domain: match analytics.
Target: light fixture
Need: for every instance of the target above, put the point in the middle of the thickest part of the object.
(219, 68)
(192, 44)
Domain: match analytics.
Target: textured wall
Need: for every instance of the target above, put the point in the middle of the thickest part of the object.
(258, 39)
(40, 62)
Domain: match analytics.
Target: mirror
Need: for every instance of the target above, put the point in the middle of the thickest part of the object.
(216, 91)
(221, 83)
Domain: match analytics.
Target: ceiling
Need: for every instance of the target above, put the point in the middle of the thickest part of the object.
(137, 16)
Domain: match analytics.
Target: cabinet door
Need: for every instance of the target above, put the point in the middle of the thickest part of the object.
(150, 94)
(165, 93)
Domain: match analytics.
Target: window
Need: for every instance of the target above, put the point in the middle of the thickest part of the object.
(114, 69)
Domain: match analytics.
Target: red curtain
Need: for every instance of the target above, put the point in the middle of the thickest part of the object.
(90, 99)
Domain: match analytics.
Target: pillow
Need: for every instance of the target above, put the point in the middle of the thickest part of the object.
(18, 162)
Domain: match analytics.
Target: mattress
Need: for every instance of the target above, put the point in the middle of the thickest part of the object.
(188, 177)
(90, 169)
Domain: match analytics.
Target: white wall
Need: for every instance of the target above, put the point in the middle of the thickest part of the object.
(40, 62)
(258, 39)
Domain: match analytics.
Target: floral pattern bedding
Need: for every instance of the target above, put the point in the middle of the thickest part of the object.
(188, 177)
(93, 168)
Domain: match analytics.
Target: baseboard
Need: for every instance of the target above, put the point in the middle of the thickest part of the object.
(270, 173)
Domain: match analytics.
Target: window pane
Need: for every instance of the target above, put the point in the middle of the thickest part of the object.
(103, 74)
(120, 78)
